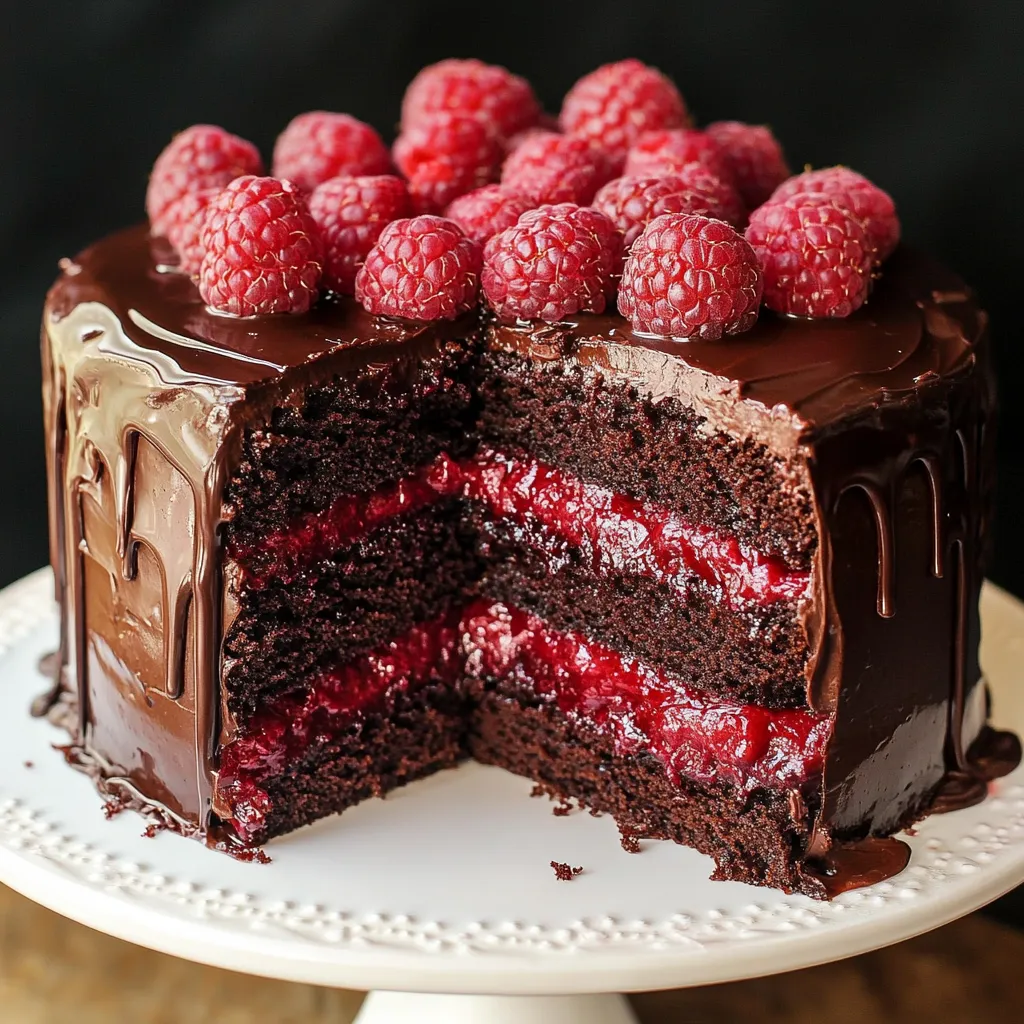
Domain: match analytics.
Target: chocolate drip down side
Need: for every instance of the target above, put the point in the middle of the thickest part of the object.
(909, 481)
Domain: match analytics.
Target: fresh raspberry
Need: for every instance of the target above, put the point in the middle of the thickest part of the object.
(861, 197)
(753, 156)
(262, 251)
(556, 261)
(351, 213)
(816, 256)
(445, 158)
(488, 210)
(422, 268)
(724, 202)
(668, 152)
(203, 156)
(632, 203)
(515, 141)
(690, 276)
(492, 94)
(614, 105)
(553, 168)
(319, 145)
(183, 221)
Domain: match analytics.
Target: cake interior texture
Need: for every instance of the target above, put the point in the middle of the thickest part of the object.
(551, 550)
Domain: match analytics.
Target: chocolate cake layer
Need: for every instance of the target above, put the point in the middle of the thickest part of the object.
(756, 837)
(414, 735)
(604, 431)
(351, 435)
(754, 654)
(404, 572)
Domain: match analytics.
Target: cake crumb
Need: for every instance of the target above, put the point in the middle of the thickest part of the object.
(257, 856)
(112, 807)
(30, 764)
(630, 841)
(565, 873)
(563, 804)
(151, 830)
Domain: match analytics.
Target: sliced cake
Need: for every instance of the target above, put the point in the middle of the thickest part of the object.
(341, 496)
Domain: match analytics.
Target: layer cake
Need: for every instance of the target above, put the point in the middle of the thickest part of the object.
(723, 589)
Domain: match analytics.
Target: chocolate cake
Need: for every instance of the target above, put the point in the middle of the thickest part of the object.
(723, 589)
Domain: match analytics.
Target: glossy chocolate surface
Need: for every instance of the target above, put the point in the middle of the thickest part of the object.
(787, 380)
(165, 325)
(884, 419)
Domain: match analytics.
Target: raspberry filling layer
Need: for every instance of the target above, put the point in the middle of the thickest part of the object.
(618, 532)
(287, 727)
(695, 735)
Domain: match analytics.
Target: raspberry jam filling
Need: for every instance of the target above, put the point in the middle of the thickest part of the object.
(694, 734)
(618, 532)
(286, 727)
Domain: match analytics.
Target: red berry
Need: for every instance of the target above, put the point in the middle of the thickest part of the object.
(668, 152)
(319, 145)
(553, 168)
(864, 199)
(690, 276)
(183, 221)
(488, 210)
(556, 261)
(753, 156)
(723, 199)
(203, 156)
(421, 268)
(351, 213)
(515, 141)
(816, 257)
(492, 94)
(445, 158)
(632, 203)
(262, 251)
(614, 105)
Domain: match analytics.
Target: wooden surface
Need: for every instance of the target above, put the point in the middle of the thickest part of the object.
(52, 970)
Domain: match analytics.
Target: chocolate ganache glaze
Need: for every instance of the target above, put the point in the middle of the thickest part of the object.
(883, 419)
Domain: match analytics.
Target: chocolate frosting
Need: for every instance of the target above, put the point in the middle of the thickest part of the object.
(788, 380)
(883, 420)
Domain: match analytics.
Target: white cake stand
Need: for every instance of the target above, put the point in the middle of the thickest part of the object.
(447, 888)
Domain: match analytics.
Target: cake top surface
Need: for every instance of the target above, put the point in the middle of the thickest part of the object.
(166, 324)
(921, 324)
(781, 380)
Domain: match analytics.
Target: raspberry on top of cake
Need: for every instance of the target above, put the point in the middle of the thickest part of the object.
(597, 447)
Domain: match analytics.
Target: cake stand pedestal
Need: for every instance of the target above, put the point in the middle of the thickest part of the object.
(415, 1008)
(446, 888)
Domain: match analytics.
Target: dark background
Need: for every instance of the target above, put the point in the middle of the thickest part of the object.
(925, 99)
